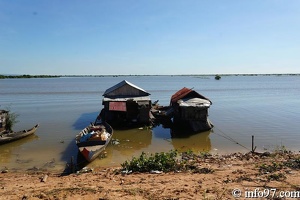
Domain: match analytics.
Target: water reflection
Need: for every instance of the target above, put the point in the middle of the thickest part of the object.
(132, 140)
(184, 139)
(197, 142)
(7, 150)
(129, 143)
(71, 153)
(84, 120)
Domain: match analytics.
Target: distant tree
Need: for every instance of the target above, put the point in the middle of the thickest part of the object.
(217, 77)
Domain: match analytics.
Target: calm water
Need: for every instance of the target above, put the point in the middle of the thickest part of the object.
(267, 107)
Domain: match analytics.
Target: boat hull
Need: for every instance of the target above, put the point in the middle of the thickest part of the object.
(90, 153)
(10, 137)
(92, 149)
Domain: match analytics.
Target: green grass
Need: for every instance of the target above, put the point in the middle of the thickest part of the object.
(159, 161)
(270, 168)
(166, 162)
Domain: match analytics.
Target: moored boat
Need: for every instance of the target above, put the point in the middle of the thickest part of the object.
(93, 139)
(7, 137)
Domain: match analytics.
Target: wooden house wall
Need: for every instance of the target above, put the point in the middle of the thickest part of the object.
(144, 111)
(200, 125)
(193, 113)
(195, 118)
(135, 110)
(132, 110)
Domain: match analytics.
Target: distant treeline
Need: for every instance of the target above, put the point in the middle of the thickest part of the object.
(27, 76)
(180, 75)
(194, 75)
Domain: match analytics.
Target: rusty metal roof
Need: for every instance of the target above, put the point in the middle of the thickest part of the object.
(185, 93)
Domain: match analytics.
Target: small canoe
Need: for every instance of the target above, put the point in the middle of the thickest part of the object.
(9, 137)
(93, 139)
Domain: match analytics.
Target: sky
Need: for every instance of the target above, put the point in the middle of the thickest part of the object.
(149, 37)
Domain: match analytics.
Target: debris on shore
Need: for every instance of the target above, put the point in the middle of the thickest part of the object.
(206, 176)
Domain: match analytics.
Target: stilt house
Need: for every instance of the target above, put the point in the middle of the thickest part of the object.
(126, 103)
(191, 109)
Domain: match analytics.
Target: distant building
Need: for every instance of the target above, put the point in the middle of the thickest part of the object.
(126, 103)
(3, 118)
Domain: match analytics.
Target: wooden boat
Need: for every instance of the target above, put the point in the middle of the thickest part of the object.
(93, 139)
(12, 136)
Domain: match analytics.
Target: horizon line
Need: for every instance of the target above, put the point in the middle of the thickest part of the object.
(221, 74)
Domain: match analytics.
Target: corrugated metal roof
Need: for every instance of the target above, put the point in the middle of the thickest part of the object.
(125, 89)
(146, 98)
(180, 94)
(184, 93)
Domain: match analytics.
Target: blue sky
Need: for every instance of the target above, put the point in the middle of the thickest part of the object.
(104, 37)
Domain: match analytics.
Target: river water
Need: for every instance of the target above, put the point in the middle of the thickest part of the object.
(267, 107)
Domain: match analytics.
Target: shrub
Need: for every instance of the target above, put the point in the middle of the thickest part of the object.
(276, 177)
(293, 163)
(270, 168)
(11, 120)
(159, 161)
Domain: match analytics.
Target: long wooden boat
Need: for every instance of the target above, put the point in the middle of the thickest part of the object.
(12, 136)
(93, 139)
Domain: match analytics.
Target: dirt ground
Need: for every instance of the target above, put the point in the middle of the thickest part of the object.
(234, 176)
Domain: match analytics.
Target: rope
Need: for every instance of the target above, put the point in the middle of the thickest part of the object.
(229, 138)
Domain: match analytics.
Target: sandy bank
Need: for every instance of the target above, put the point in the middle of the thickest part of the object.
(227, 173)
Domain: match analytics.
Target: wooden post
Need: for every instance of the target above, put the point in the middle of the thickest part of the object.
(72, 165)
(253, 147)
(252, 143)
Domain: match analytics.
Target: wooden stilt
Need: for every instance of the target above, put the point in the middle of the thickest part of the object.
(253, 147)
(72, 165)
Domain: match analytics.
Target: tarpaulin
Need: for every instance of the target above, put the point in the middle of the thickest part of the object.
(117, 106)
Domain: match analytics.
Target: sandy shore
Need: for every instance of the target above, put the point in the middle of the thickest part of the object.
(212, 177)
